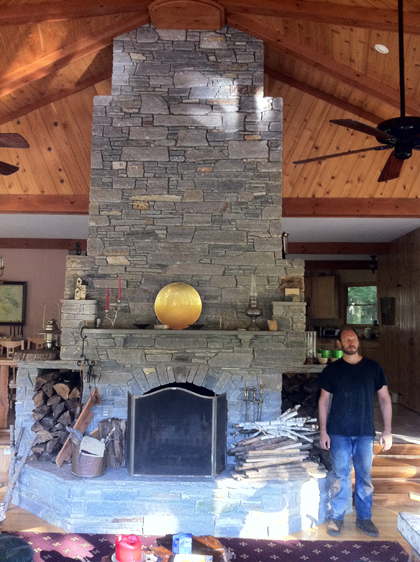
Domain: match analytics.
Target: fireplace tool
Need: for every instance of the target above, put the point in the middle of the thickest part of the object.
(254, 401)
(90, 376)
(246, 394)
(260, 404)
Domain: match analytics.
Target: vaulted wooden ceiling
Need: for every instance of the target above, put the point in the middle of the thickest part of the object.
(319, 57)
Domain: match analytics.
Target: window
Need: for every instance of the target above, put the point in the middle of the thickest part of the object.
(361, 304)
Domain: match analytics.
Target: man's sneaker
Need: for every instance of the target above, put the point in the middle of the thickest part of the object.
(367, 527)
(334, 527)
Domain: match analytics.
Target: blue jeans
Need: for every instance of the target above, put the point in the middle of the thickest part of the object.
(342, 449)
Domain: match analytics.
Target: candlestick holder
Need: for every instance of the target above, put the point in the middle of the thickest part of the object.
(115, 313)
(254, 312)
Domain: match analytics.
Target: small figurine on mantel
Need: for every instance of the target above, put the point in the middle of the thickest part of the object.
(80, 291)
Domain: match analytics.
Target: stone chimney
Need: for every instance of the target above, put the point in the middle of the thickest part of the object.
(185, 183)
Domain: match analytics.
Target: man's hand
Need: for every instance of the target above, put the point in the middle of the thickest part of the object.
(385, 440)
(324, 440)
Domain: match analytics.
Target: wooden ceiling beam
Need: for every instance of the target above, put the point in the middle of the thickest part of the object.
(370, 207)
(61, 94)
(318, 12)
(355, 248)
(41, 244)
(335, 265)
(44, 204)
(68, 10)
(321, 62)
(60, 58)
(321, 12)
(316, 93)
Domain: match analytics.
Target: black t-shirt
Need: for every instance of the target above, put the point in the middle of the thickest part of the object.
(353, 388)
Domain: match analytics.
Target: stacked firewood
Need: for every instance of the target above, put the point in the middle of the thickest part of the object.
(57, 401)
(278, 449)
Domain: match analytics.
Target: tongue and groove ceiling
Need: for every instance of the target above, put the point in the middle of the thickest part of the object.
(319, 57)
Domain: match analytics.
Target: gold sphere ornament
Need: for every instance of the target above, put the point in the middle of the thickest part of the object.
(178, 305)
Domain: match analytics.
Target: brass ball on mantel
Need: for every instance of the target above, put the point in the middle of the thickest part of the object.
(178, 305)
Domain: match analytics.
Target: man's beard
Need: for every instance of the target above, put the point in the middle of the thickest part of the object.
(350, 350)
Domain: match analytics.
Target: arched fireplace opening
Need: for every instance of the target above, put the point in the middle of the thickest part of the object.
(177, 429)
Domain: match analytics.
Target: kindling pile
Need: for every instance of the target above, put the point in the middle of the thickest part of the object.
(277, 449)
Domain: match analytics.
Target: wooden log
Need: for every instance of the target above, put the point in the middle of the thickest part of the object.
(56, 399)
(41, 412)
(58, 409)
(75, 394)
(81, 424)
(44, 378)
(63, 389)
(43, 436)
(47, 423)
(53, 445)
(37, 426)
(74, 406)
(66, 418)
(48, 388)
(39, 398)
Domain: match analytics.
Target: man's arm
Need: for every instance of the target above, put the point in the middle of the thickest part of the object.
(323, 407)
(386, 411)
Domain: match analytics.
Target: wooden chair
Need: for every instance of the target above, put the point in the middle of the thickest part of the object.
(37, 342)
(11, 345)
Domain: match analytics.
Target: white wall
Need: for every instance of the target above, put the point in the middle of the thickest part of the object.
(44, 273)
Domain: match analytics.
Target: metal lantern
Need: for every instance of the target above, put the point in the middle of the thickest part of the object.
(51, 333)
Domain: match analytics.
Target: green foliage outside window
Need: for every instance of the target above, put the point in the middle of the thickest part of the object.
(361, 305)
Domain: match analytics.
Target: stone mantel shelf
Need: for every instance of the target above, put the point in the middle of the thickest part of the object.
(187, 333)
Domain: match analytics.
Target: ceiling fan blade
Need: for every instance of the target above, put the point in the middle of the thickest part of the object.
(392, 168)
(325, 157)
(362, 128)
(13, 140)
(7, 169)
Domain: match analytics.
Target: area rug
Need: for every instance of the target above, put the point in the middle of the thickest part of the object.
(58, 547)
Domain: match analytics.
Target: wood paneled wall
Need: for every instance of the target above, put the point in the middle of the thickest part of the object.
(399, 277)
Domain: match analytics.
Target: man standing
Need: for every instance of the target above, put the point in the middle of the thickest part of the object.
(345, 411)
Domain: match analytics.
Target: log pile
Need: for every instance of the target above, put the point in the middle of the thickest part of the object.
(278, 449)
(57, 400)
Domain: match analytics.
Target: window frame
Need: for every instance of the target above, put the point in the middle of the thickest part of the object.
(345, 303)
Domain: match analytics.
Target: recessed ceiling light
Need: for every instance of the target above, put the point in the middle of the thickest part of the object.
(382, 49)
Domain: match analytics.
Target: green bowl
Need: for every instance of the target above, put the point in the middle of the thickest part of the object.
(325, 353)
(337, 353)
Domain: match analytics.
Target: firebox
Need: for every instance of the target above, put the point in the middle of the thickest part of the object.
(177, 430)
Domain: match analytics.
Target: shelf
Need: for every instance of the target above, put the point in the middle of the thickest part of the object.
(187, 333)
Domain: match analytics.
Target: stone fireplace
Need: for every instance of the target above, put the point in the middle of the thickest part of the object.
(185, 187)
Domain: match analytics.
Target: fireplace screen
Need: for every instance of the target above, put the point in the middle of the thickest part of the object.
(173, 431)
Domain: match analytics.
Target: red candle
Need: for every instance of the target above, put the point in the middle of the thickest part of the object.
(119, 289)
(107, 299)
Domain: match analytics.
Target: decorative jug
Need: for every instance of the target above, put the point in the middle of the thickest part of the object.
(128, 548)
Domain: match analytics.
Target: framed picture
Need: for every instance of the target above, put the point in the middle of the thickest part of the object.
(388, 311)
(12, 302)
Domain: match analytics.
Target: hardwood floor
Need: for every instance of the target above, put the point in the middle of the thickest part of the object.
(407, 427)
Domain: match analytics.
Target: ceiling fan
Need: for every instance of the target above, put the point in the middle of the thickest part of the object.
(11, 140)
(402, 134)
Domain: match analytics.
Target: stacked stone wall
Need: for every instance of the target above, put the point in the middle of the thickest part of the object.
(186, 176)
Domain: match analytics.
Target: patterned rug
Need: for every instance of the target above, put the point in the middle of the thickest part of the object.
(58, 547)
